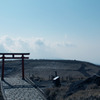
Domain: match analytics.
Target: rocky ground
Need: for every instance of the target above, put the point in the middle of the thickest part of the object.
(46, 68)
(70, 72)
(87, 89)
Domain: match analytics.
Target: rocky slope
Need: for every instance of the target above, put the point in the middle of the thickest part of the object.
(46, 68)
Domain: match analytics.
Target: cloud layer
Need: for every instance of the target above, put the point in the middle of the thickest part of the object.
(39, 48)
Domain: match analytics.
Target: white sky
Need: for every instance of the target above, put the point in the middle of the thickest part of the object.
(48, 29)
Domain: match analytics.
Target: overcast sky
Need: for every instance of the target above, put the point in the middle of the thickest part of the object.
(51, 29)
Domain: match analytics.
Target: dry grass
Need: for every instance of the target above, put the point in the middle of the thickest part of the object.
(91, 93)
(56, 93)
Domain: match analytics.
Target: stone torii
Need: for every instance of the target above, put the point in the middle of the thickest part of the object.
(4, 56)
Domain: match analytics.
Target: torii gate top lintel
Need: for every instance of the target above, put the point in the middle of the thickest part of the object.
(13, 57)
(14, 53)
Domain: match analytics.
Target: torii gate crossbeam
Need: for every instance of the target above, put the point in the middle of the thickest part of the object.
(4, 56)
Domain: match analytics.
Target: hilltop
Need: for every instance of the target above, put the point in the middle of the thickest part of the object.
(73, 76)
(46, 68)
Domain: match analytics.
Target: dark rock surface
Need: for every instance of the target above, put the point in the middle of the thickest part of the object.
(83, 85)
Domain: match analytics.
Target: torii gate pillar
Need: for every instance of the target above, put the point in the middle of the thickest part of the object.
(13, 57)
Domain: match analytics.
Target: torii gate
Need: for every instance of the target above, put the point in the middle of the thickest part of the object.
(3, 57)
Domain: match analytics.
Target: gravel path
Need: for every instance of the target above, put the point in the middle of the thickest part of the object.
(18, 89)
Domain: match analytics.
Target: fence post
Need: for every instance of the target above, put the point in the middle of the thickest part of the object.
(2, 74)
(22, 66)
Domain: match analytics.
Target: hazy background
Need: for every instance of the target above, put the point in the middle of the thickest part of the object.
(51, 29)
